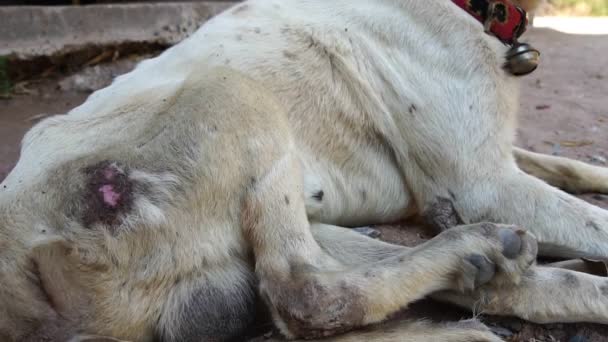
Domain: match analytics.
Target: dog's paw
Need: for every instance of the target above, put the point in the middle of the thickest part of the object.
(493, 254)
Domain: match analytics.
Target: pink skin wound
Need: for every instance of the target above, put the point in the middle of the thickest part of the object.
(110, 197)
(109, 194)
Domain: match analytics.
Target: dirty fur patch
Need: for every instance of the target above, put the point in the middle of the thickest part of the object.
(441, 215)
(108, 194)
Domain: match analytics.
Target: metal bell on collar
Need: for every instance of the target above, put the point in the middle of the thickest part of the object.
(522, 59)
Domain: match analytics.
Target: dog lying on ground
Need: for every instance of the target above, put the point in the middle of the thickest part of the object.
(226, 168)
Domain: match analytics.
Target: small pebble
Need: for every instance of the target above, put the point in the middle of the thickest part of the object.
(513, 325)
(500, 331)
(598, 159)
(543, 107)
(368, 231)
(556, 149)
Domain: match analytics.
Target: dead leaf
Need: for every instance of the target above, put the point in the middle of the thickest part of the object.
(21, 88)
(48, 72)
(37, 117)
(574, 143)
(102, 56)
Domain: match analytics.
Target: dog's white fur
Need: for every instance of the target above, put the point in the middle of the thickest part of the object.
(247, 140)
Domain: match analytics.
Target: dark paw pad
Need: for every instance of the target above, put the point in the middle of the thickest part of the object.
(511, 242)
(368, 231)
(485, 268)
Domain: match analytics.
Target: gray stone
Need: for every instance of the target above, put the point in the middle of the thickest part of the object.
(598, 159)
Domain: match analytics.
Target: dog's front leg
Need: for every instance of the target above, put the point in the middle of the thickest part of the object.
(564, 225)
(312, 294)
(545, 295)
(458, 185)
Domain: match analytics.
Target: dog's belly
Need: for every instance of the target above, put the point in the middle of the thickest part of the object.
(367, 189)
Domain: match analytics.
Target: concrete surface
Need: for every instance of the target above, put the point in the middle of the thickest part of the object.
(28, 32)
(574, 25)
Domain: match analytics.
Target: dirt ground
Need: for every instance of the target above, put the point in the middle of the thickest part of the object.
(564, 111)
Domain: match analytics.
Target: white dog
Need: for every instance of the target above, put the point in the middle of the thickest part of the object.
(226, 168)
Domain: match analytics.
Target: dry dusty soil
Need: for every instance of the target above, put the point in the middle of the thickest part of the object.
(564, 111)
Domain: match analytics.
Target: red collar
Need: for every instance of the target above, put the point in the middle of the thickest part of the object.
(500, 17)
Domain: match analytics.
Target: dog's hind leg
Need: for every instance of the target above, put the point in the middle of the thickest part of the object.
(567, 174)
